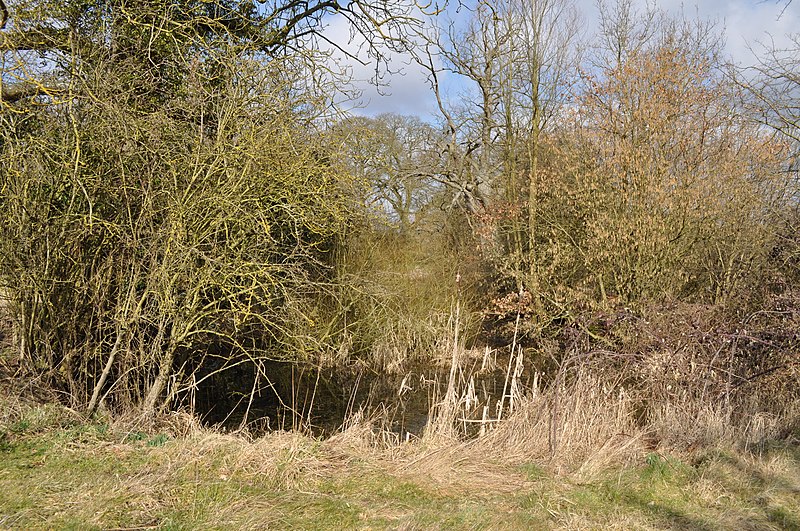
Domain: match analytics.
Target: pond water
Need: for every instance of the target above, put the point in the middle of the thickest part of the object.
(290, 396)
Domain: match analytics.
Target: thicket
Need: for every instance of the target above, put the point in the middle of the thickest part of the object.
(183, 209)
(169, 205)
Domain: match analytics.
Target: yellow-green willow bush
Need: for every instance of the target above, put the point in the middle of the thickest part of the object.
(150, 238)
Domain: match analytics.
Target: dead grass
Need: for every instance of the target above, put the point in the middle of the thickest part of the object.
(582, 427)
(106, 476)
(593, 448)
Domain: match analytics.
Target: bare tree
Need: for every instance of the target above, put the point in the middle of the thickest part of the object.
(519, 57)
(773, 99)
(549, 33)
(397, 159)
(774, 86)
(473, 52)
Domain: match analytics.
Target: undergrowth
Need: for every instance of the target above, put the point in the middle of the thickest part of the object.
(100, 475)
(653, 430)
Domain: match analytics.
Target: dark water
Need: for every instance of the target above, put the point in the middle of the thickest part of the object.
(289, 396)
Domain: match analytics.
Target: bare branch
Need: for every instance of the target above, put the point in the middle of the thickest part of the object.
(16, 92)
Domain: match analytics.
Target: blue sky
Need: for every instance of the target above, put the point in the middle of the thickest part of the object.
(744, 23)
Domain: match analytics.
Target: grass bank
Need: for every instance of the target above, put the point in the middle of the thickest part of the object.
(59, 471)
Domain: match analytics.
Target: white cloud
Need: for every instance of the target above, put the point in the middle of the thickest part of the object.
(406, 92)
(404, 89)
(744, 23)
(751, 23)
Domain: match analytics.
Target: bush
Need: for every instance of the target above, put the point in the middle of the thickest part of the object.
(141, 241)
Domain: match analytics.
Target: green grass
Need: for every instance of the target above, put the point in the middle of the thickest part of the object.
(67, 475)
(722, 490)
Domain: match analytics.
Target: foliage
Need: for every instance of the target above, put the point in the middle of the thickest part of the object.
(655, 185)
(147, 233)
(181, 195)
(399, 295)
(681, 188)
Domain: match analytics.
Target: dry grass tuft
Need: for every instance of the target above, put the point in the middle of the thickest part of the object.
(459, 468)
(282, 460)
(581, 427)
(286, 460)
(367, 433)
(691, 425)
(175, 424)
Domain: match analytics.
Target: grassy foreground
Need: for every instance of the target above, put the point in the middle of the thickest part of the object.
(68, 474)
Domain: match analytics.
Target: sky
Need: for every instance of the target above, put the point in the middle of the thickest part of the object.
(743, 23)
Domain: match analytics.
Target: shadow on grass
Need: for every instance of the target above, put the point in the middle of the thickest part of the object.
(783, 518)
(667, 517)
(758, 487)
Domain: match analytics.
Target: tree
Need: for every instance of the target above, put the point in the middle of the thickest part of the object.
(520, 58)
(396, 157)
(169, 207)
(683, 184)
(772, 87)
(154, 36)
(549, 31)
